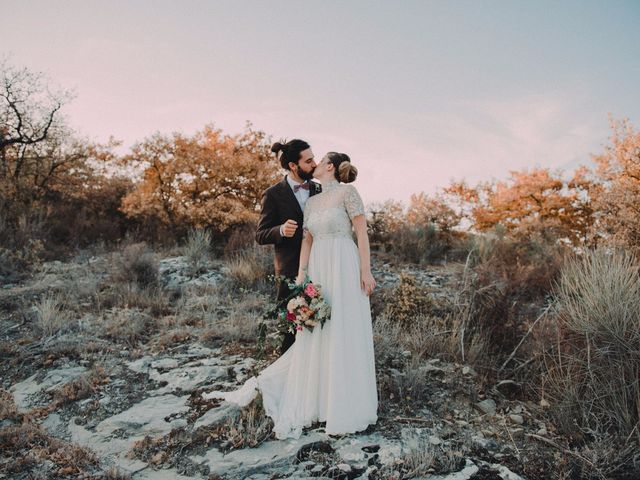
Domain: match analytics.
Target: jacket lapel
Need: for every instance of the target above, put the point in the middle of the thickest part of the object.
(315, 188)
(289, 196)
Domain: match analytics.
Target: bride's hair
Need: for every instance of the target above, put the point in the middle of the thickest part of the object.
(344, 170)
(290, 151)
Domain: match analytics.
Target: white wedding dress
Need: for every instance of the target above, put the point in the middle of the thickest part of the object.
(328, 374)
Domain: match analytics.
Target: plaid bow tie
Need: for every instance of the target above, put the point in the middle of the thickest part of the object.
(304, 185)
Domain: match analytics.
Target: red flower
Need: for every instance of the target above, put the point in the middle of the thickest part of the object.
(291, 316)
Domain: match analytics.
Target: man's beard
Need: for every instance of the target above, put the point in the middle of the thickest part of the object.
(305, 175)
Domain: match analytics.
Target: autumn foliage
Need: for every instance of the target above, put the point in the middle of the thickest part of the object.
(208, 180)
(615, 191)
(528, 203)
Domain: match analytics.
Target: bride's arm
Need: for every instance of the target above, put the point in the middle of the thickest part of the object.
(367, 282)
(305, 249)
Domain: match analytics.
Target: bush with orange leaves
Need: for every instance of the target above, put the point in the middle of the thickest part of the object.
(535, 202)
(615, 190)
(208, 180)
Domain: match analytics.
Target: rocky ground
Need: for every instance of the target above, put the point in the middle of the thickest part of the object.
(112, 394)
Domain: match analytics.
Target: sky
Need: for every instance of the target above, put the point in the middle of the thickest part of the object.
(417, 93)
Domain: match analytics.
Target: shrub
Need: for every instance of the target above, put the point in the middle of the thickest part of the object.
(49, 315)
(250, 267)
(408, 300)
(136, 264)
(504, 285)
(197, 249)
(129, 326)
(593, 374)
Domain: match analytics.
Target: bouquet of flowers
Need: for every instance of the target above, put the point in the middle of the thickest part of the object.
(304, 307)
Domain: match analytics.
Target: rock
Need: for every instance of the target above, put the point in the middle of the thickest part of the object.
(344, 467)
(53, 379)
(434, 440)
(516, 418)
(487, 406)
(147, 417)
(542, 431)
(216, 415)
(273, 454)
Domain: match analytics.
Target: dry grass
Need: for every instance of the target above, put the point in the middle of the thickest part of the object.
(502, 289)
(593, 374)
(248, 428)
(197, 250)
(126, 326)
(226, 315)
(50, 318)
(423, 460)
(426, 337)
(80, 388)
(250, 267)
(27, 448)
(136, 264)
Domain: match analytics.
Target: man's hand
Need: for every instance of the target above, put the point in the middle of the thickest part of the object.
(289, 228)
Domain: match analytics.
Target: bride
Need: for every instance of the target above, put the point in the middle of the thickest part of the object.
(328, 374)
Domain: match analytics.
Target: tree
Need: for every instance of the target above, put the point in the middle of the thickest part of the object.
(424, 210)
(615, 189)
(538, 201)
(385, 219)
(208, 180)
(37, 152)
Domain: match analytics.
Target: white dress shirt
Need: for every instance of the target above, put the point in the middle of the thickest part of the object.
(302, 195)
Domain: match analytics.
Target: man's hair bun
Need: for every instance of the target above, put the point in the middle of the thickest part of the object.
(276, 147)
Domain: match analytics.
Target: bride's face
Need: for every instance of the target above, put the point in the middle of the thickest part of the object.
(324, 169)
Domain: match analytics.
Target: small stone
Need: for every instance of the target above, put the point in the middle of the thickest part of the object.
(467, 370)
(544, 403)
(487, 406)
(434, 440)
(516, 418)
(542, 431)
(345, 467)
(371, 448)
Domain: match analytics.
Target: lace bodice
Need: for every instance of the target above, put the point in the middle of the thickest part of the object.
(329, 214)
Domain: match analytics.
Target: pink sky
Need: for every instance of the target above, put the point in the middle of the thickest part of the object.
(417, 93)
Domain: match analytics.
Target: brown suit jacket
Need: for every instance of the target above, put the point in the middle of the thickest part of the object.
(278, 205)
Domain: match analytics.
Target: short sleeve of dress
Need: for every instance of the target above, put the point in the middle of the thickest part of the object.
(305, 215)
(353, 202)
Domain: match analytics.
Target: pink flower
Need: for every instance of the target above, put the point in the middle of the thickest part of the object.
(299, 327)
(311, 290)
(291, 316)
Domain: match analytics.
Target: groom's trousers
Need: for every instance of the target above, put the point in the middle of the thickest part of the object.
(289, 338)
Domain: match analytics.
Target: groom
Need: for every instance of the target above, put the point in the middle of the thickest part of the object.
(282, 213)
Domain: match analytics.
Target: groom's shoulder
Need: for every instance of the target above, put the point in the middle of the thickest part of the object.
(275, 188)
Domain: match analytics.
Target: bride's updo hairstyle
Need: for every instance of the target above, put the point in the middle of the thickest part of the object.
(344, 170)
(289, 151)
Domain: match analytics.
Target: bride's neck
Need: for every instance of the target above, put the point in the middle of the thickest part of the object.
(330, 183)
